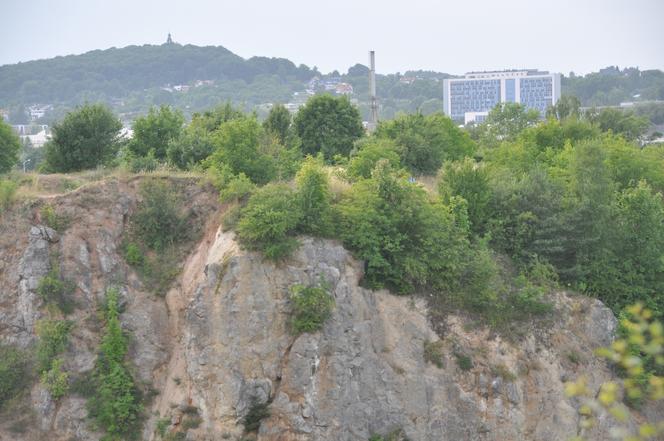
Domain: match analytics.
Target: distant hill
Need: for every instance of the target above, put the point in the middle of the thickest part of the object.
(194, 78)
(117, 73)
(611, 86)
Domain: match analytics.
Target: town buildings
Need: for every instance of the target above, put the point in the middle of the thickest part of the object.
(469, 99)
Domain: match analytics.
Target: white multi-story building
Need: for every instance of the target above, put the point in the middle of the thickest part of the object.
(471, 98)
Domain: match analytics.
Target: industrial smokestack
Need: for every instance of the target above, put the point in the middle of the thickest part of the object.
(373, 119)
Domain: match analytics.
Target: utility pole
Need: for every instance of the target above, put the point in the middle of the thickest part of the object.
(373, 119)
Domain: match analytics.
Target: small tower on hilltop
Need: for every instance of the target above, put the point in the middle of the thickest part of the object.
(169, 40)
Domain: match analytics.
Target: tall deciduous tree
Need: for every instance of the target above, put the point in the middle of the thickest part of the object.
(86, 138)
(278, 122)
(424, 142)
(9, 147)
(153, 132)
(329, 125)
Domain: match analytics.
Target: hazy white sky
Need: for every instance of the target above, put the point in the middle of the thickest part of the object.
(446, 36)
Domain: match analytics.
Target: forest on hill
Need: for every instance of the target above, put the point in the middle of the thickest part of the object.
(192, 78)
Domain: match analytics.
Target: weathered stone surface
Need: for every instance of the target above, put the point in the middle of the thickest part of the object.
(220, 341)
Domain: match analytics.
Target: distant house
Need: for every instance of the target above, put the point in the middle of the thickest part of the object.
(200, 83)
(181, 88)
(39, 110)
(344, 89)
(407, 80)
(38, 139)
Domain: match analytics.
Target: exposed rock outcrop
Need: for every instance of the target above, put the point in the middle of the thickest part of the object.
(219, 342)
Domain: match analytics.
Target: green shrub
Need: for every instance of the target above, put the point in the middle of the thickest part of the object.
(470, 181)
(53, 337)
(191, 423)
(433, 352)
(269, 220)
(311, 306)
(313, 190)
(53, 290)
(7, 194)
(464, 362)
(141, 164)
(53, 219)
(407, 239)
(162, 426)
(133, 254)
(115, 405)
(158, 220)
(424, 142)
(368, 152)
(55, 379)
(257, 412)
(15, 373)
(502, 371)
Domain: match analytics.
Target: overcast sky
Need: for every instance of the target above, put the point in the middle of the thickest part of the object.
(455, 37)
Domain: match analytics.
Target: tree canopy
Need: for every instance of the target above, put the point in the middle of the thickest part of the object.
(10, 146)
(328, 125)
(86, 138)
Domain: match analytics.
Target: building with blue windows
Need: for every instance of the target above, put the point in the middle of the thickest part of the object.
(469, 99)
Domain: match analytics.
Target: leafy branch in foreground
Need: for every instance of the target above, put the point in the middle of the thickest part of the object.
(644, 340)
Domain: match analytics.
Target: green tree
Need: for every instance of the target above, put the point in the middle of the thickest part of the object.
(314, 196)
(193, 146)
(567, 106)
(154, 131)
(329, 125)
(506, 121)
(237, 145)
(15, 373)
(424, 142)
(367, 153)
(115, 404)
(470, 181)
(406, 240)
(278, 123)
(270, 220)
(620, 122)
(10, 146)
(86, 138)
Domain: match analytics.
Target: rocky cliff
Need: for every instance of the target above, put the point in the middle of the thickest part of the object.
(218, 342)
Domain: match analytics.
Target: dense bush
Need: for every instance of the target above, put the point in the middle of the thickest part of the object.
(367, 153)
(257, 412)
(115, 405)
(158, 220)
(53, 337)
(406, 239)
(55, 379)
(424, 142)
(15, 372)
(55, 290)
(238, 145)
(470, 181)
(154, 131)
(53, 219)
(433, 352)
(10, 146)
(85, 139)
(328, 125)
(313, 193)
(311, 306)
(7, 194)
(269, 221)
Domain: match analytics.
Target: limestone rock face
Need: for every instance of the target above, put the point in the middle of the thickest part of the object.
(219, 342)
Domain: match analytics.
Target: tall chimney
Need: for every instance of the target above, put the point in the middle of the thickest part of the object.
(373, 121)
